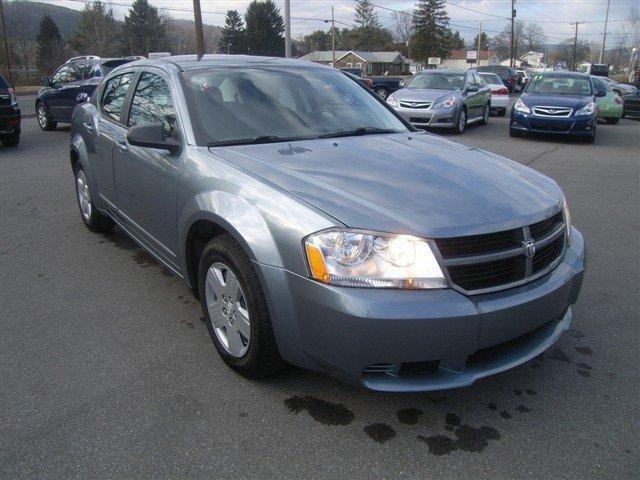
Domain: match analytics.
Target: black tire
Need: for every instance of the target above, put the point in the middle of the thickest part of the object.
(382, 92)
(96, 221)
(262, 358)
(10, 140)
(461, 124)
(612, 121)
(502, 112)
(590, 139)
(44, 119)
(486, 113)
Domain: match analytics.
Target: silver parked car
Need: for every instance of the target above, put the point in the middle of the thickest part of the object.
(444, 99)
(319, 228)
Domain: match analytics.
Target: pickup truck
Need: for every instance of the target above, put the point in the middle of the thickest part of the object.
(382, 85)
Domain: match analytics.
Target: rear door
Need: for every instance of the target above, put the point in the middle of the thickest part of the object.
(146, 179)
(112, 98)
(472, 97)
(484, 92)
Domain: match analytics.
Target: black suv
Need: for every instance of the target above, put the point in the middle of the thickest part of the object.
(72, 83)
(9, 115)
(507, 74)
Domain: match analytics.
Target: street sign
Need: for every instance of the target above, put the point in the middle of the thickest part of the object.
(434, 61)
(159, 54)
(472, 56)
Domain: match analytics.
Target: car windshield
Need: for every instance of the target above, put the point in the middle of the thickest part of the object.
(268, 104)
(436, 81)
(491, 78)
(599, 85)
(559, 85)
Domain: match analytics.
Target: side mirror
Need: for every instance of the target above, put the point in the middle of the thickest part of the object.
(45, 81)
(151, 135)
(601, 93)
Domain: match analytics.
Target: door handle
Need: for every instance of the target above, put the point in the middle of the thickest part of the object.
(122, 145)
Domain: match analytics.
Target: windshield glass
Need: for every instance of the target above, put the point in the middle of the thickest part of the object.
(437, 81)
(559, 85)
(277, 104)
(491, 78)
(599, 85)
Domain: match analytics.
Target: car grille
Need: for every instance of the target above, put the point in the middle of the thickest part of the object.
(546, 127)
(415, 104)
(494, 261)
(552, 111)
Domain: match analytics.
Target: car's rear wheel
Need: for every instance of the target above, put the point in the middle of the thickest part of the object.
(485, 115)
(462, 122)
(382, 92)
(235, 309)
(92, 218)
(44, 119)
(10, 140)
(502, 112)
(612, 121)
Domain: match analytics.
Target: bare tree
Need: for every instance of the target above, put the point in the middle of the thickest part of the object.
(402, 26)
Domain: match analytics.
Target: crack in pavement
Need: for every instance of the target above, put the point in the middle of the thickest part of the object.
(529, 162)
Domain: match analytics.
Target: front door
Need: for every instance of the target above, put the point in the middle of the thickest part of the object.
(65, 84)
(146, 178)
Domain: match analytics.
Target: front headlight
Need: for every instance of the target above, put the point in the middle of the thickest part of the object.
(567, 219)
(521, 107)
(358, 258)
(446, 103)
(588, 109)
(393, 102)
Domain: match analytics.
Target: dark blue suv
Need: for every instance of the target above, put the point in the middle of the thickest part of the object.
(562, 103)
(70, 84)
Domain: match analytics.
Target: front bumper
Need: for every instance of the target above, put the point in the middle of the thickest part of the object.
(429, 117)
(572, 126)
(395, 340)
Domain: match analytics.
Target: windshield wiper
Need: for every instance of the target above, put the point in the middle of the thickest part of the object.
(249, 141)
(358, 131)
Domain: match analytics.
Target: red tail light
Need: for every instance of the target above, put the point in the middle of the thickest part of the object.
(500, 91)
(368, 82)
(618, 100)
(12, 96)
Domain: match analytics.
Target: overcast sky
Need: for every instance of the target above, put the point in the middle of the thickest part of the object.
(553, 15)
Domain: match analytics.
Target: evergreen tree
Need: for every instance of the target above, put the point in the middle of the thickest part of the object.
(484, 41)
(430, 25)
(96, 32)
(232, 40)
(456, 42)
(367, 28)
(51, 47)
(144, 30)
(264, 27)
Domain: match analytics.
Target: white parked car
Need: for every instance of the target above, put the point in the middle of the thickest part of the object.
(499, 93)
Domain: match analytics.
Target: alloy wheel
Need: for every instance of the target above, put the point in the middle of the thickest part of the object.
(84, 197)
(462, 121)
(228, 311)
(42, 116)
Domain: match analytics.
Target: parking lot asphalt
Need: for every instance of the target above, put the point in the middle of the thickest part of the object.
(106, 370)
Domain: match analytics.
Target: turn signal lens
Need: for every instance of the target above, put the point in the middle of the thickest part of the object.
(316, 264)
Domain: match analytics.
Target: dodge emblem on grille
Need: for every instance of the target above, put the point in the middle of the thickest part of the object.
(529, 248)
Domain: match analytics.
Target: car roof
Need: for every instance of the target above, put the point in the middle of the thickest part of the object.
(564, 73)
(460, 71)
(191, 62)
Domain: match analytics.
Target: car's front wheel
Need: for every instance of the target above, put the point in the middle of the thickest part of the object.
(44, 119)
(92, 218)
(462, 122)
(382, 92)
(235, 309)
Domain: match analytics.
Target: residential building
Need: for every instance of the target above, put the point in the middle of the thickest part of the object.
(370, 63)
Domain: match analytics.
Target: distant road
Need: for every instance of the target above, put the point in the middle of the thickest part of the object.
(27, 105)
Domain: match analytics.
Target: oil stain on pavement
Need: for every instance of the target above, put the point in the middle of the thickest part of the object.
(325, 412)
(380, 432)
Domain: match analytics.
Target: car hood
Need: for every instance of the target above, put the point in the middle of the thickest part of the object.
(422, 95)
(416, 184)
(568, 101)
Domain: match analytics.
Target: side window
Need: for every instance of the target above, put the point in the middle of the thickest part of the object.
(470, 80)
(114, 93)
(152, 103)
(72, 72)
(478, 79)
(61, 75)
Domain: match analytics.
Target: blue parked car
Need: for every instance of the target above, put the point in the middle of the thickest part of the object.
(72, 83)
(561, 103)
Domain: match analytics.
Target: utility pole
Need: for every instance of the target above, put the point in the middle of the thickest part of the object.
(7, 52)
(513, 18)
(333, 39)
(197, 16)
(287, 28)
(575, 46)
(479, 44)
(604, 36)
